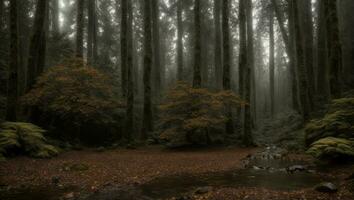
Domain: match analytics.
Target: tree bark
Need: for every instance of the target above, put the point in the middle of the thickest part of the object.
(130, 79)
(251, 61)
(179, 40)
(91, 32)
(290, 49)
(147, 116)
(271, 61)
(306, 16)
(197, 79)
(218, 64)
(243, 47)
(124, 45)
(322, 60)
(334, 49)
(12, 90)
(156, 47)
(80, 29)
(37, 45)
(247, 135)
(55, 16)
(227, 59)
(303, 81)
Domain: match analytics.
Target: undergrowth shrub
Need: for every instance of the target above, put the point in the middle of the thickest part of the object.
(78, 99)
(195, 116)
(338, 122)
(331, 148)
(26, 138)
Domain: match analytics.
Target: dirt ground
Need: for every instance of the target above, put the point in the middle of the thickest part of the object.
(139, 166)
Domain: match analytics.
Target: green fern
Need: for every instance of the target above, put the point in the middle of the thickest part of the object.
(27, 137)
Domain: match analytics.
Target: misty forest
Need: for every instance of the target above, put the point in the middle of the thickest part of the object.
(176, 99)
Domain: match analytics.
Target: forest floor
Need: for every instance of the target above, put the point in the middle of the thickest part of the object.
(90, 171)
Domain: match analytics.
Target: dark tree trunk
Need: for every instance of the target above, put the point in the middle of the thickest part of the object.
(250, 58)
(80, 29)
(124, 45)
(147, 116)
(218, 65)
(37, 47)
(243, 46)
(271, 60)
(55, 16)
(322, 60)
(130, 79)
(197, 78)
(290, 49)
(91, 33)
(12, 90)
(179, 40)
(303, 81)
(156, 47)
(247, 135)
(334, 49)
(306, 16)
(227, 59)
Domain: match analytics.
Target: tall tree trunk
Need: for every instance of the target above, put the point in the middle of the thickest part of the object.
(290, 49)
(250, 58)
(197, 78)
(179, 40)
(156, 47)
(1, 14)
(91, 32)
(303, 81)
(124, 45)
(55, 16)
(243, 46)
(306, 17)
(334, 49)
(271, 61)
(37, 45)
(130, 79)
(147, 116)
(227, 59)
(218, 43)
(80, 29)
(12, 90)
(247, 135)
(322, 60)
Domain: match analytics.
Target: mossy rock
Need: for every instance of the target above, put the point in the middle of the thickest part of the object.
(338, 122)
(26, 138)
(332, 148)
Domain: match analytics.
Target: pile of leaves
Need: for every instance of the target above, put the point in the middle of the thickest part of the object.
(24, 138)
(76, 95)
(195, 116)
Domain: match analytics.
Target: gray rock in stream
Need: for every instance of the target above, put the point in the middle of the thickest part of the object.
(326, 188)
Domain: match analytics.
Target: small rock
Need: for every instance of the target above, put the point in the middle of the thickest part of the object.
(55, 180)
(256, 168)
(326, 188)
(100, 149)
(202, 190)
(69, 195)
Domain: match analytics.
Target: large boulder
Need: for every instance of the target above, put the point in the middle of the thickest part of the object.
(332, 148)
(338, 122)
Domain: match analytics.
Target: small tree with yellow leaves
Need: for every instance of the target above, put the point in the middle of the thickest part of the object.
(195, 116)
(75, 95)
